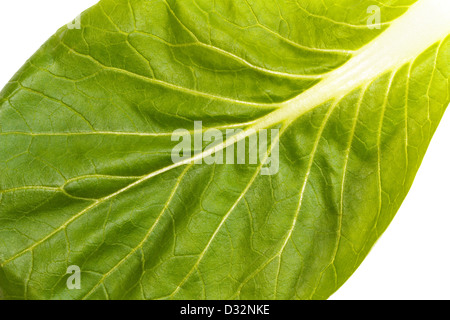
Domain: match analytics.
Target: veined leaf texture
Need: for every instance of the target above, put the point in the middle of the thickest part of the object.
(87, 176)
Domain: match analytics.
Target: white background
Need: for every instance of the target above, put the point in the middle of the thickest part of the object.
(410, 261)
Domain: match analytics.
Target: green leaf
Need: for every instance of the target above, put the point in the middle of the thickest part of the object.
(87, 178)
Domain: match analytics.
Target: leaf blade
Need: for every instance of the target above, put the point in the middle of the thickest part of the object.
(293, 242)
